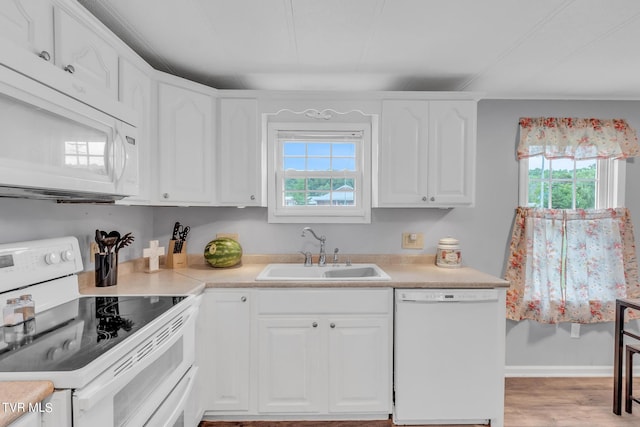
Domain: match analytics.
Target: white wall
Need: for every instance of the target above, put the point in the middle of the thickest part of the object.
(22, 220)
(484, 230)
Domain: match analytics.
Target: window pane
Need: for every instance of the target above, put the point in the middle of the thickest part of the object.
(562, 195)
(317, 198)
(342, 164)
(538, 194)
(293, 163)
(294, 184)
(319, 184)
(562, 168)
(292, 198)
(343, 184)
(319, 149)
(344, 150)
(295, 148)
(586, 169)
(586, 195)
(319, 164)
(343, 198)
(536, 166)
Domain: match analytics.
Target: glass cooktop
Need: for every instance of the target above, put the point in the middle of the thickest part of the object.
(72, 335)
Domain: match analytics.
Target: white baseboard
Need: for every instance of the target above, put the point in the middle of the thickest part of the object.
(559, 371)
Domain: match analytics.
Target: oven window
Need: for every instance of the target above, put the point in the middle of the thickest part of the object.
(136, 393)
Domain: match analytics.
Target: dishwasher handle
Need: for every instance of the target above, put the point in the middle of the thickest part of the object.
(446, 295)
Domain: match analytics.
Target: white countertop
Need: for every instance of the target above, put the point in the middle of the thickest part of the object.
(200, 275)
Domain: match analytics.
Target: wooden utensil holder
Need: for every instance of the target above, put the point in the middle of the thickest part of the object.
(176, 260)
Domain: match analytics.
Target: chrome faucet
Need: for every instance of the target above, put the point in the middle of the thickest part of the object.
(322, 261)
(307, 258)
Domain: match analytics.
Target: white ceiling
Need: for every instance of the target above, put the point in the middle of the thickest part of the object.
(501, 48)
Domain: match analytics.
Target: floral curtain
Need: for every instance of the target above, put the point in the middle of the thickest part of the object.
(577, 138)
(570, 265)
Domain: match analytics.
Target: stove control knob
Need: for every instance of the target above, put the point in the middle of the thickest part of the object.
(70, 344)
(52, 258)
(54, 353)
(67, 255)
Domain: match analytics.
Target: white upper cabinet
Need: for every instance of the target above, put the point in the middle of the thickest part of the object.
(452, 145)
(28, 24)
(135, 92)
(402, 167)
(240, 155)
(426, 153)
(83, 53)
(57, 44)
(186, 139)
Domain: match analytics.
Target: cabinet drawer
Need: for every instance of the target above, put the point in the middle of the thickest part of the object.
(324, 301)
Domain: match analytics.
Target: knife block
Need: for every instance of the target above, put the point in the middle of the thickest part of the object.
(178, 260)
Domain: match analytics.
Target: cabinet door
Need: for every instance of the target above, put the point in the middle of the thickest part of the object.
(359, 365)
(290, 375)
(135, 92)
(240, 154)
(185, 145)
(84, 54)
(452, 141)
(402, 167)
(226, 374)
(29, 24)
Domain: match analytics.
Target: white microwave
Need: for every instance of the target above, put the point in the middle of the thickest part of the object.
(53, 146)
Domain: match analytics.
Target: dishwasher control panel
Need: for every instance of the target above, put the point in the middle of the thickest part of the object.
(447, 295)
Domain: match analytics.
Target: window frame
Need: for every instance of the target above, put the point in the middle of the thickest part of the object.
(610, 183)
(278, 212)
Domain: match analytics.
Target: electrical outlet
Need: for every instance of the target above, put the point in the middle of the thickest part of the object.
(575, 330)
(93, 250)
(233, 236)
(412, 241)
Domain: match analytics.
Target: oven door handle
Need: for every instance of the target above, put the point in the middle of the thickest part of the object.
(160, 418)
(98, 390)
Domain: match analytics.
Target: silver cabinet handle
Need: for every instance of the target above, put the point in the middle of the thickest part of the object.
(252, 197)
(433, 199)
(332, 325)
(70, 69)
(165, 195)
(45, 55)
(424, 198)
(314, 324)
(243, 299)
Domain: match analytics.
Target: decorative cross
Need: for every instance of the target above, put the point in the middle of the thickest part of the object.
(153, 252)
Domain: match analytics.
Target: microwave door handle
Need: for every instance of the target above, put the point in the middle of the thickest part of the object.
(122, 154)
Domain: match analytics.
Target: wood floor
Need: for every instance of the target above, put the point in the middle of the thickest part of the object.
(529, 402)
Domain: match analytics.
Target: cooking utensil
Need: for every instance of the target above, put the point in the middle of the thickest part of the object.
(111, 240)
(126, 240)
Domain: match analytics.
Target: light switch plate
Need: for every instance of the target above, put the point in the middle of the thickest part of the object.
(233, 236)
(412, 241)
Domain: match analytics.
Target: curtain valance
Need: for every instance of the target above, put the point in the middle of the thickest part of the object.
(577, 138)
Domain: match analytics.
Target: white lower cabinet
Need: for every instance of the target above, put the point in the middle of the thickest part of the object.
(291, 375)
(358, 358)
(298, 353)
(227, 350)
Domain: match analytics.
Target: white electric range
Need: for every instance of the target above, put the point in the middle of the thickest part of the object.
(113, 360)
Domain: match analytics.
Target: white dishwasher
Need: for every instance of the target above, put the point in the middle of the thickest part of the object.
(449, 356)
